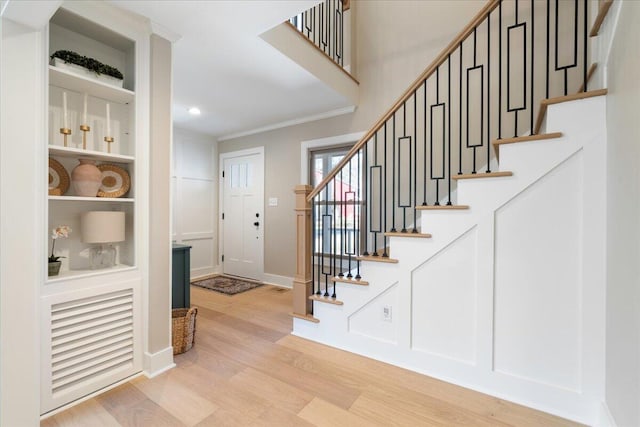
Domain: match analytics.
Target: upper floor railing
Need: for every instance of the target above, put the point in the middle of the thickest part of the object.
(486, 84)
(323, 25)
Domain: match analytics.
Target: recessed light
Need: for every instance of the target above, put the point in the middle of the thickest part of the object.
(194, 111)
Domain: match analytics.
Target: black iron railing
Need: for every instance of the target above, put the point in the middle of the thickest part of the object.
(486, 85)
(323, 25)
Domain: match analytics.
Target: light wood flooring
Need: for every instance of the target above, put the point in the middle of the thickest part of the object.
(246, 370)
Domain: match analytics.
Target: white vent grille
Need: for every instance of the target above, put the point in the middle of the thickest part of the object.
(90, 337)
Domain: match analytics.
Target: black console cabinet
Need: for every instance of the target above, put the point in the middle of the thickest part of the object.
(181, 276)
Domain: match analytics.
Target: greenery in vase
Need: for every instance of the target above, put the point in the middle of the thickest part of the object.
(89, 63)
(60, 232)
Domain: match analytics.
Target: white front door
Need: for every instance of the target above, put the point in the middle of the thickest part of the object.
(242, 210)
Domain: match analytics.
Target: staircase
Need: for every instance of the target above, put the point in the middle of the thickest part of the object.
(463, 236)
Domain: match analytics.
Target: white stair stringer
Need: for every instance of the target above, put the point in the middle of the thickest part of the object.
(523, 269)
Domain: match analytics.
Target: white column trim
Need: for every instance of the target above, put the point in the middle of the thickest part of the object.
(306, 146)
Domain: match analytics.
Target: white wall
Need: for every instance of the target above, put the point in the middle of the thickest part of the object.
(623, 214)
(195, 198)
(22, 222)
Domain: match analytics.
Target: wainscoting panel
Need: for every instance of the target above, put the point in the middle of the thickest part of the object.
(538, 267)
(195, 198)
(370, 322)
(444, 301)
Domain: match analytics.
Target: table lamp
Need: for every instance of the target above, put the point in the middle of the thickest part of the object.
(102, 228)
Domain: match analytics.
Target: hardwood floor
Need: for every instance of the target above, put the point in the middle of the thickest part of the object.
(246, 370)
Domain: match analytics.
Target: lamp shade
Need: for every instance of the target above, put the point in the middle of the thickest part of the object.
(102, 226)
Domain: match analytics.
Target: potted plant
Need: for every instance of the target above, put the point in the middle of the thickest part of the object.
(60, 232)
(88, 66)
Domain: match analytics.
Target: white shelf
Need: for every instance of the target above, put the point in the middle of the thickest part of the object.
(69, 80)
(91, 199)
(78, 274)
(56, 150)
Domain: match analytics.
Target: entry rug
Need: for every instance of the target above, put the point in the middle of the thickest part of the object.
(226, 285)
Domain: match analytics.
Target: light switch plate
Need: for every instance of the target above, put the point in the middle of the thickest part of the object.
(273, 201)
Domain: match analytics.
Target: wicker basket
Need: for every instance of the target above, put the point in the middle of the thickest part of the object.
(183, 328)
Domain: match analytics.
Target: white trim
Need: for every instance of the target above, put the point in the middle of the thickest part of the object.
(276, 280)
(222, 158)
(293, 122)
(305, 147)
(164, 32)
(88, 396)
(605, 419)
(159, 362)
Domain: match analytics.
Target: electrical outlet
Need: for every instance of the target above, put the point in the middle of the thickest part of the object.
(386, 313)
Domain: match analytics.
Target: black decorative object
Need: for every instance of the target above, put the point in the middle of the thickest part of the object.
(70, 57)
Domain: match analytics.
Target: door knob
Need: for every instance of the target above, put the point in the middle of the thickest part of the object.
(257, 224)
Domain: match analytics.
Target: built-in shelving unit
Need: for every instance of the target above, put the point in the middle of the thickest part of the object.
(91, 333)
(72, 32)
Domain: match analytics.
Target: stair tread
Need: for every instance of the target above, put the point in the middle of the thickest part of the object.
(442, 207)
(328, 300)
(352, 281)
(537, 137)
(377, 259)
(307, 317)
(408, 234)
(557, 100)
(482, 175)
(527, 138)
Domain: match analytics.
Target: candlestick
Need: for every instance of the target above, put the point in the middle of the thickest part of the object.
(65, 121)
(65, 131)
(109, 140)
(84, 129)
(84, 111)
(108, 119)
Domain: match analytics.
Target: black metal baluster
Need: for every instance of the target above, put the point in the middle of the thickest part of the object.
(357, 216)
(415, 159)
(384, 237)
(404, 135)
(350, 246)
(424, 139)
(460, 121)
(473, 147)
(500, 70)
(313, 245)
(437, 202)
(585, 58)
(533, 79)
(449, 128)
(324, 243)
(548, 48)
(342, 224)
(489, 93)
(365, 203)
(393, 177)
(334, 250)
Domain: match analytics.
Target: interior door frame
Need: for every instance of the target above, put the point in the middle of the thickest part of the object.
(222, 158)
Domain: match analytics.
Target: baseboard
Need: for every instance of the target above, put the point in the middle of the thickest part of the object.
(159, 362)
(202, 272)
(605, 419)
(88, 397)
(274, 279)
(204, 276)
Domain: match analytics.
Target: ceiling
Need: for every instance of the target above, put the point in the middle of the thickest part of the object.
(222, 66)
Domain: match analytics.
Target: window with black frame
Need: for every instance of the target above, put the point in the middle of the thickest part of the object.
(341, 202)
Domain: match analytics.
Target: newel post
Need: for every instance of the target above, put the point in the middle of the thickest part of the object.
(302, 282)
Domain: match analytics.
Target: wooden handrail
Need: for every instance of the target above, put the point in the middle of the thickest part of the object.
(440, 59)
